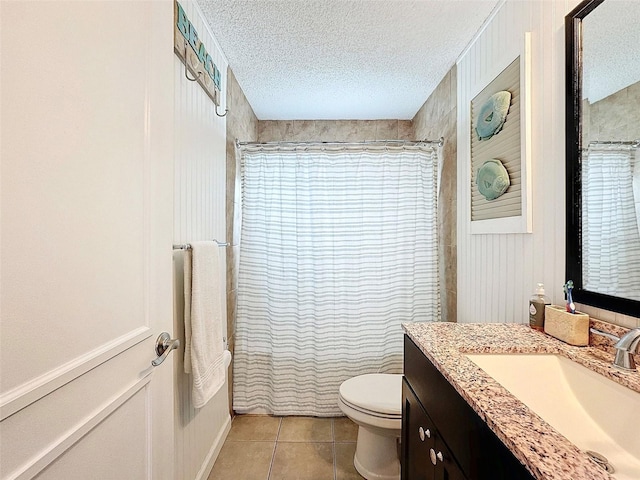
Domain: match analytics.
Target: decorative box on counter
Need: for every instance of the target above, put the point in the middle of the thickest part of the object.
(572, 328)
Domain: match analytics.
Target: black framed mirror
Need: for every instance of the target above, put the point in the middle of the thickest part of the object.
(602, 154)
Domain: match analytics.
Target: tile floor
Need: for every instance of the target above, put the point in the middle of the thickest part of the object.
(288, 448)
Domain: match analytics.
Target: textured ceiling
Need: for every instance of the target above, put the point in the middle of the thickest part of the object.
(342, 59)
(610, 48)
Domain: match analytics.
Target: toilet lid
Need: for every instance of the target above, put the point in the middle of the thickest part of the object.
(376, 392)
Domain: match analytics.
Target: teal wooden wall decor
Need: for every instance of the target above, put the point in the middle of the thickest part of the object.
(193, 53)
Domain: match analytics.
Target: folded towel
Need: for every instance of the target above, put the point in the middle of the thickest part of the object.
(203, 353)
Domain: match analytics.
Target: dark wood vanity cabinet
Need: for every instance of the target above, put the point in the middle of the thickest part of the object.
(442, 437)
(425, 456)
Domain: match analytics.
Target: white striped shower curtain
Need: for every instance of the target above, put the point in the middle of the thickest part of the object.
(338, 247)
(610, 235)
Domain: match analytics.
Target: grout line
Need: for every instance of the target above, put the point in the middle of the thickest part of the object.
(275, 446)
(279, 429)
(333, 448)
(333, 431)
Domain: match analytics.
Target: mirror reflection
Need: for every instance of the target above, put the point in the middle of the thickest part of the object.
(610, 154)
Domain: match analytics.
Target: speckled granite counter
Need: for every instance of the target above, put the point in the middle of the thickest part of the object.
(545, 453)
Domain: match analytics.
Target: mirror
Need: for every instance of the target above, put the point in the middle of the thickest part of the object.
(603, 155)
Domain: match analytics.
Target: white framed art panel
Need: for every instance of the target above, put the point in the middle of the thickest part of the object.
(520, 223)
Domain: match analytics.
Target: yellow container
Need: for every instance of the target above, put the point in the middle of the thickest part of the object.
(572, 328)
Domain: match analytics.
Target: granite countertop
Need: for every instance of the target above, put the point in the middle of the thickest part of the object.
(545, 452)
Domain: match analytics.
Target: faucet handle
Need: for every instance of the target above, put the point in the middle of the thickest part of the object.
(625, 348)
(630, 341)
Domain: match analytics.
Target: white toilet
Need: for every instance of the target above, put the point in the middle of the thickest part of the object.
(374, 402)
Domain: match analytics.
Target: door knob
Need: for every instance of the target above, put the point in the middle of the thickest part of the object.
(164, 346)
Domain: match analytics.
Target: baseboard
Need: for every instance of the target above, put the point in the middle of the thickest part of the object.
(211, 457)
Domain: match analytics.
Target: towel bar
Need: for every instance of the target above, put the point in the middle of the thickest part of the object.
(187, 246)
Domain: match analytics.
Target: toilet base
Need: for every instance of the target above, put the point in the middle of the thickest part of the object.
(376, 455)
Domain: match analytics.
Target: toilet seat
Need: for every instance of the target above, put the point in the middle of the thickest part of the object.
(375, 394)
(370, 412)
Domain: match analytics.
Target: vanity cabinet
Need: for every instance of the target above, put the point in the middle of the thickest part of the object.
(443, 438)
(425, 456)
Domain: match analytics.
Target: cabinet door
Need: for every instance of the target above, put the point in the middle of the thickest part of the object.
(418, 439)
(446, 468)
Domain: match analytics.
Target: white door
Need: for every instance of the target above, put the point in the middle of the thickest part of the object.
(86, 230)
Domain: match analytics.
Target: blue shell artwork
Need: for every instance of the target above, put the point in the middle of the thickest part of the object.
(492, 179)
(493, 114)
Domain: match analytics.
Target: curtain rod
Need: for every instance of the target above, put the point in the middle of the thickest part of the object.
(439, 142)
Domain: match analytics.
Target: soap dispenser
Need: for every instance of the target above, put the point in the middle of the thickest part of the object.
(536, 308)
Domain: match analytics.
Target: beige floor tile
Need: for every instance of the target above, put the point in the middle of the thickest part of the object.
(344, 430)
(302, 461)
(243, 460)
(254, 428)
(344, 462)
(305, 429)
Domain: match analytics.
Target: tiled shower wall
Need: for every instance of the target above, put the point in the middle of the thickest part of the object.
(435, 119)
(242, 124)
(333, 130)
(614, 118)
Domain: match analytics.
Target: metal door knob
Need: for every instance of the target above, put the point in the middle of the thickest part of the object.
(164, 346)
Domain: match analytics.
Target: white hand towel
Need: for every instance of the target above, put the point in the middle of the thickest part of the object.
(203, 353)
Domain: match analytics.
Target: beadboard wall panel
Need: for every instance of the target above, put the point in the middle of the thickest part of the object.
(497, 273)
(199, 214)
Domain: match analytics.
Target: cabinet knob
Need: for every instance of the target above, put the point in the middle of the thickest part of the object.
(439, 456)
(432, 454)
(424, 433)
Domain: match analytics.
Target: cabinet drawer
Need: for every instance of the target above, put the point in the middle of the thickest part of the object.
(479, 452)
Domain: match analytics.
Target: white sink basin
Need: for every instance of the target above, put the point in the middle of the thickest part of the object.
(591, 411)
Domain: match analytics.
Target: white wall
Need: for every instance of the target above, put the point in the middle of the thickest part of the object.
(199, 214)
(498, 272)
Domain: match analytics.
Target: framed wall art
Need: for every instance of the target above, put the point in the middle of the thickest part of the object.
(500, 139)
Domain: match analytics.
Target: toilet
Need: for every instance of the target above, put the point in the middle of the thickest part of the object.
(374, 403)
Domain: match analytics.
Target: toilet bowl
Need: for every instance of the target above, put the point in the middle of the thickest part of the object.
(374, 403)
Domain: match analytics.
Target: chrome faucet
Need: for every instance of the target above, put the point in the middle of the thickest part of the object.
(625, 347)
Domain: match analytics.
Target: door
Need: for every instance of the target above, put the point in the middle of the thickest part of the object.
(86, 230)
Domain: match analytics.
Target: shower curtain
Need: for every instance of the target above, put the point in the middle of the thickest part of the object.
(610, 236)
(338, 247)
